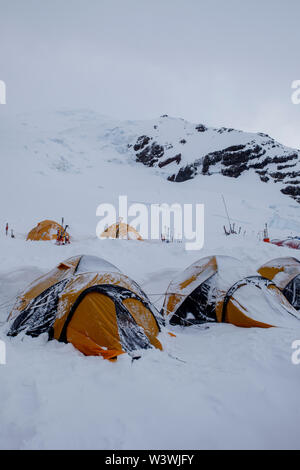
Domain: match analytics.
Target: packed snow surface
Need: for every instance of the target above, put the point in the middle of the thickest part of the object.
(211, 387)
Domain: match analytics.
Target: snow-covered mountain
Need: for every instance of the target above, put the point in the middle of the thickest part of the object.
(175, 148)
(65, 164)
(184, 150)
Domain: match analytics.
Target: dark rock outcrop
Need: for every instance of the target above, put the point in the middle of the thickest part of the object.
(259, 153)
(176, 159)
(150, 154)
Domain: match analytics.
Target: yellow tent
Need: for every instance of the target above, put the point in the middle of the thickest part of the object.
(88, 302)
(121, 230)
(45, 230)
(285, 273)
(216, 289)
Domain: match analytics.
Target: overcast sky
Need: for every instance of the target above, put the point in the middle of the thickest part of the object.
(220, 62)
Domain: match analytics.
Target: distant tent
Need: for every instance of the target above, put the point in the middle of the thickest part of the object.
(88, 302)
(216, 289)
(285, 273)
(293, 243)
(45, 230)
(121, 230)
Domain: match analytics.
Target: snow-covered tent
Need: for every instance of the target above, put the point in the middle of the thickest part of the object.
(45, 230)
(218, 289)
(291, 242)
(121, 230)
(285, 273)
(88, 302)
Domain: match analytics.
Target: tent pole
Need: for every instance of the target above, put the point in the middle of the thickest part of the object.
(227, 214)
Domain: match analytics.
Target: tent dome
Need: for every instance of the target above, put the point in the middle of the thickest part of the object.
(88, 302)
(45, 230)
(121, 230)
(219, 289)
(285, 273)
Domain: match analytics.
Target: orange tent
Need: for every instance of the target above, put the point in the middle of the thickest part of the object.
(45, 230)
(88, 302)
(217, 289)
(285, 273)
(121, 230)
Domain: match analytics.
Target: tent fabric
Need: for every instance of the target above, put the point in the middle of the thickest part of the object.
(103, 327)
(293, 243)
(292, 292)
(285, 273)
(121, 230)
(45, 230)
(143, 317)
(104, 313)
(257, 302)
(218, 289)
(64, 270)
(280, 270)
(189, 286)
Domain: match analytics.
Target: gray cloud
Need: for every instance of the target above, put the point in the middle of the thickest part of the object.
(224, 63)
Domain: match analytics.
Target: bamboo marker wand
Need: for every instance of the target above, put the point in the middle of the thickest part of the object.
(227, 213)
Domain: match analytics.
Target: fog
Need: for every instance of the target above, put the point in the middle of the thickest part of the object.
(222, 63)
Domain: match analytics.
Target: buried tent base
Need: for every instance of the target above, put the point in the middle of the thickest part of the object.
(106, 314)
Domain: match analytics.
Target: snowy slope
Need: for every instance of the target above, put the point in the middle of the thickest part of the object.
(221, 387)
(70, 142)
(182, 150)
